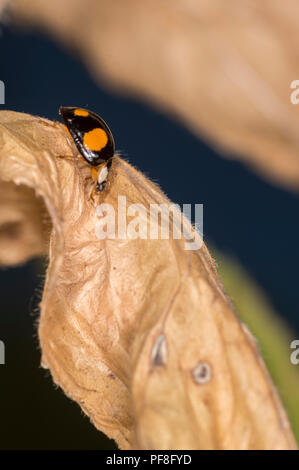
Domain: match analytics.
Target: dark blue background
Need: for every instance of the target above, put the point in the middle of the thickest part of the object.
(244, 216)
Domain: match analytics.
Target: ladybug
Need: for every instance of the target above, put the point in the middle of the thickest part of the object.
(93, 139)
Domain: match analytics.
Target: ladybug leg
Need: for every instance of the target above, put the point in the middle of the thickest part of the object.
(100, 175)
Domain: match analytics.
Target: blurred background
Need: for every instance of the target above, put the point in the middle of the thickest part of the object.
(250, 226)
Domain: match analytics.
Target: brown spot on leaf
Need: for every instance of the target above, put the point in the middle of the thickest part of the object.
(159, 352)
(202, 373)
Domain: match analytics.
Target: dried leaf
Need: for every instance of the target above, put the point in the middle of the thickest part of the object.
(225, 68)
(137, 331)
(24, 225)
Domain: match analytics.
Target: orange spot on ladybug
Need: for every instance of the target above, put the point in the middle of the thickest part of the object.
(95, 140)
(81, 112)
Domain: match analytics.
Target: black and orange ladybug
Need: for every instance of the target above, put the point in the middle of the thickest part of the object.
(93, 139)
